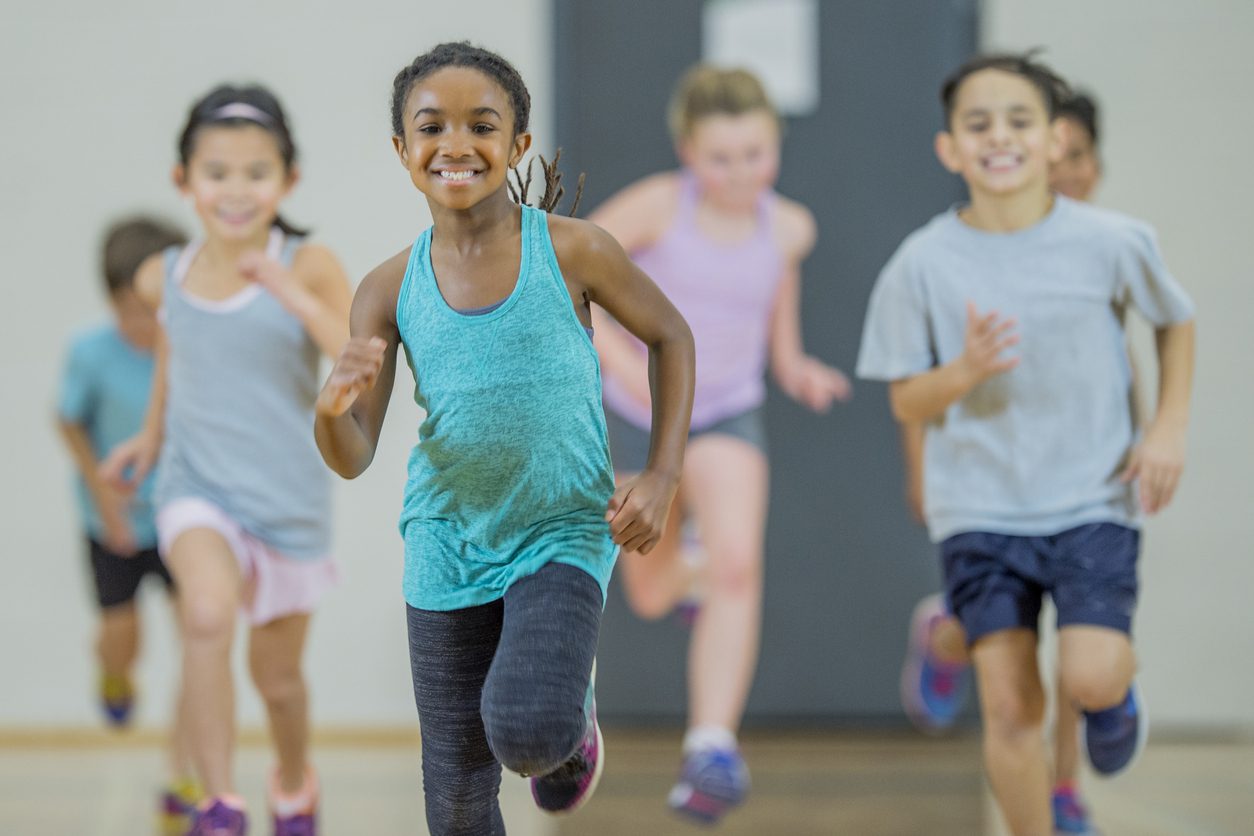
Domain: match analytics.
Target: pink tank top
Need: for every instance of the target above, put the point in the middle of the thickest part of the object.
(726, 292)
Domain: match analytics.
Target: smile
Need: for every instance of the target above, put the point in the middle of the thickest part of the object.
(457, 176)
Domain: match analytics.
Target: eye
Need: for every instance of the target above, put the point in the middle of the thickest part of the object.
(1020, 124)
(429, 129)
(976, 127)
(484, 128)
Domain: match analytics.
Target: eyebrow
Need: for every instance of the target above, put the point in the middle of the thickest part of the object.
(983, 111)
(478, 111)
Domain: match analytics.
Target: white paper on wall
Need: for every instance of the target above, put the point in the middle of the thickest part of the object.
(778, 40)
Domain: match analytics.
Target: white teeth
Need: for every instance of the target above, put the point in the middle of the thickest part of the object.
(457, 175)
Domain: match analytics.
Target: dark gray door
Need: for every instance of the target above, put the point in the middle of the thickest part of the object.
(844, 562)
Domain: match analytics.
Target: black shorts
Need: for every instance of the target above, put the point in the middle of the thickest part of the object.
(629, 445)
(995, 581)
(118, 578)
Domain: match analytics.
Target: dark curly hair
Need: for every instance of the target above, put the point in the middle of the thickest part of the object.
(1081, 108)
(206, 112)
(465, 54)
(461, 54)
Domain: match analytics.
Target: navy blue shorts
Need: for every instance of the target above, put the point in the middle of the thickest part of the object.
(995, 582)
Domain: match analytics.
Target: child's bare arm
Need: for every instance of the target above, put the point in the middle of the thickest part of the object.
(354, 400)
(1158, 460)
(926, 396)
(110, 504)
(315, 290)
(595, 261)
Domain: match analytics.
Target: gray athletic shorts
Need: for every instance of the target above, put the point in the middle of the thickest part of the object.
(629, 445)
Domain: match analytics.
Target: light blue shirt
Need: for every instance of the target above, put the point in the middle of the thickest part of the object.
(104, 390)
(512, 469)
(1039, 449)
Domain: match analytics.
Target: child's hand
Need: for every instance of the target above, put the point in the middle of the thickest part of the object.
(118, 535)
(270, 274)
(1156, 463)
(988, 335)
(355, 372)
(638, 509)
(129, 463)
(817, 384)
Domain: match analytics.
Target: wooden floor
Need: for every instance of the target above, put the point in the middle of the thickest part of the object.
(820, 783)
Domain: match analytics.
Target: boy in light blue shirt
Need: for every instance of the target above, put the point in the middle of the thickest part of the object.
(102, 400)
(1000, 325)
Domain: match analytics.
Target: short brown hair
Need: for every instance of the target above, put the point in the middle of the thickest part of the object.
(128, 242)
(1052, 89)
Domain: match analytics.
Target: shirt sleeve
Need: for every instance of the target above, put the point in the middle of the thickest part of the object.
(896, 337)
(77, 397)
(1147, 284)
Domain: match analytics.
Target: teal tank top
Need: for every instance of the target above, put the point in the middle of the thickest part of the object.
(512, 467)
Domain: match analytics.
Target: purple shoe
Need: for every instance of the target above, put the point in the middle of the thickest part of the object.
(1071, 817)
(932, 692)
(569, 787)
(711, 783)
(299, 825)
(177, 809)
(220, 819)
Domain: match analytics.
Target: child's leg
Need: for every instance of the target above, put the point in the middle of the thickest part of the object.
(536, 691)
(274, 659)
(655, 582)
(209, 581)
(1013, 704)
(1066, 739)
(117, 644)
(450, 653)
(726, 486)
(1096, 666)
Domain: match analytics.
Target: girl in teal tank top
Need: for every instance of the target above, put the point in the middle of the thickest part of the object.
(511, 520)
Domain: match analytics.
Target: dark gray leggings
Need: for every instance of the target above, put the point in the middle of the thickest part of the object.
(501, 684)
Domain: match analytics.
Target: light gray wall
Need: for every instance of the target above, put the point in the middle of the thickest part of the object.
(93, 97)
(1173, 79)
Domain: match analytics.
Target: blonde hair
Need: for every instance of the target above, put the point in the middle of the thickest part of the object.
(706, 90)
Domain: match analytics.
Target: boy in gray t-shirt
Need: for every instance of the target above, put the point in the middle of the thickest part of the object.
(1000, 324)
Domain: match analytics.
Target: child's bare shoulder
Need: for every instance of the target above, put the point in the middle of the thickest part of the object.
(150, 280)
(795, 229)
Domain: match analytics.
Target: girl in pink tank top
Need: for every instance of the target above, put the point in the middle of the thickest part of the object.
(726, 249)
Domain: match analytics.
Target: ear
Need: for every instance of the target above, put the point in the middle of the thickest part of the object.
(522, 143)
(178, 176)
(1058, 130)
(398, 145)
(947, 152)
(293, 176)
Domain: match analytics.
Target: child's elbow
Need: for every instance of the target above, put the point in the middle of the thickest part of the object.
(900, 404)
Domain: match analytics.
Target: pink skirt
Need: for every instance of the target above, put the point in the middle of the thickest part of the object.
(274, 585)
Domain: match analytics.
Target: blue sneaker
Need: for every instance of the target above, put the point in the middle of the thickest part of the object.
(932, 692)
(711, 783)
(1114, 737)
(1071, 817)
(117, 699)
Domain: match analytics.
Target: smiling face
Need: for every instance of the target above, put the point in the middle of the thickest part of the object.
(459, 142)
(236, 178)
(1000, 138)
(734, 157)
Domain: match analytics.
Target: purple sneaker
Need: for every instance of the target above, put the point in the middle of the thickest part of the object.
(301, 824)
(220, 819)
(711, 783)
(1071, 817)
(295, 817)
(932, 692)
(178, 807)
(569, 787)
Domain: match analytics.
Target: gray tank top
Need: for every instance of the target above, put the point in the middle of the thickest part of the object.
(242, 380)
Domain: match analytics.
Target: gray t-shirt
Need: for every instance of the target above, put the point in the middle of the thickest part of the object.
(1039, 449)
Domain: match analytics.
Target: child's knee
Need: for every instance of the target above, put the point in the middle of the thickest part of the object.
(735, 569)
(1093, 687)
(206, 618)
(649, 601)
(531, 739)
(277, 685)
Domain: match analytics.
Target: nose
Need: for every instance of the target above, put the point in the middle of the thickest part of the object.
(456, 144)
(1000, 132)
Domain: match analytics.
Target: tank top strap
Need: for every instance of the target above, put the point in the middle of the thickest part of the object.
(688, 198)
